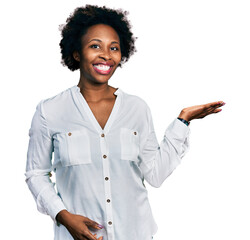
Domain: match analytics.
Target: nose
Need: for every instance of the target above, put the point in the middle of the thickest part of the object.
(105, 54)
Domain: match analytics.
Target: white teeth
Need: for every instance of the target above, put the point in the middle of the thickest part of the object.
(102, 67)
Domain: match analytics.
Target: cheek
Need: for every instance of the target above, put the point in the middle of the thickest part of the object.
(86, 60)
(88, 55)
(118, 58)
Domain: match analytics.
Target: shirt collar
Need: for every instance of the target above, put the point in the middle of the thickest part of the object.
(117, 92)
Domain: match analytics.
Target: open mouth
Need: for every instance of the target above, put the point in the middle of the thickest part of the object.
(102, 68)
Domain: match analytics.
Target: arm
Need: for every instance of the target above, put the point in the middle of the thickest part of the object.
(159, 161)
(38, 169)
(38, 166)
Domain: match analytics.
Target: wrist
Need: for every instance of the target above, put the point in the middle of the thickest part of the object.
(62, 217)
(184, 121)
(184, 115)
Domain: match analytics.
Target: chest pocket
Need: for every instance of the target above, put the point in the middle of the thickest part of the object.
(74, 148)
(129, 144)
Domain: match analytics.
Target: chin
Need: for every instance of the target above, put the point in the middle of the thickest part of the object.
(102, 78)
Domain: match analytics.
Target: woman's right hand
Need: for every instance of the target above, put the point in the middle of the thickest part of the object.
(78, 225)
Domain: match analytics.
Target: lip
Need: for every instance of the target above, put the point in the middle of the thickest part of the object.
(100, 71)
(109, 63)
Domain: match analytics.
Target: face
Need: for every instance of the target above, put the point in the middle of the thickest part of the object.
(100, 54)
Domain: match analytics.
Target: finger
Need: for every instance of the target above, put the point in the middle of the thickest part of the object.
(100, 238)
(89, 236)
(214, 111)
(208, 111)
(217, 110)
(93, 224)
(215, 104)
(211, 109)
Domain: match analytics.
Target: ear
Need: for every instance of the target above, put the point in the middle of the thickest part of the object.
(76, 56)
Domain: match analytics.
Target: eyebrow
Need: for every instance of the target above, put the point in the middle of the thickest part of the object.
(98, 40)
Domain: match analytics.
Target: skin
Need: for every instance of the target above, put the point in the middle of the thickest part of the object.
(101, 43)
(200, 111)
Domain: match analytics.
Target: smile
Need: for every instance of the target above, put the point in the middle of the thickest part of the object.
(102, 68)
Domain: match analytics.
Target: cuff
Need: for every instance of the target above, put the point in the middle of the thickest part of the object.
(50, 203)
(179, 129)
(178, 134)
(58, 207)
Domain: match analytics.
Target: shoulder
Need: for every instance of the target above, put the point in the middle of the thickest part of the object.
(138, 109)
(58, 98)
(55, 103)
(135, 101)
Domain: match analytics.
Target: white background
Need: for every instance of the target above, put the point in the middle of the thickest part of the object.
(189, 53)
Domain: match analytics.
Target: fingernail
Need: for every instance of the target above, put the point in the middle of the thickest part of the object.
(100, 226)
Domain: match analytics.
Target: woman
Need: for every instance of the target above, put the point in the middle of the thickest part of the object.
(103, 139)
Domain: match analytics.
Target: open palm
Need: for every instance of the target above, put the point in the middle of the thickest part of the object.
(201, 111)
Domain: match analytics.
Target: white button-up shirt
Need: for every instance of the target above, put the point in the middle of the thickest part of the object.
(100, 172)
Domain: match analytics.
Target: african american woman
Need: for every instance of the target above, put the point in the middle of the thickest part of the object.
(102, 138)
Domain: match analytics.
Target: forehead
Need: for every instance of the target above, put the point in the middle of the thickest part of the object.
(102, 32)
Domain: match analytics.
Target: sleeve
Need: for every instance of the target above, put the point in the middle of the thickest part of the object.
(159, 161)
(39, 165)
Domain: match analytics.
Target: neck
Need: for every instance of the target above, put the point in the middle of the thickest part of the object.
(94, 93)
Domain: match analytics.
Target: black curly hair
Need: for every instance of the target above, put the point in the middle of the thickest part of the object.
(84, 17)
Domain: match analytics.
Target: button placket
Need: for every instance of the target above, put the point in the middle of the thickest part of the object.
(106, 174)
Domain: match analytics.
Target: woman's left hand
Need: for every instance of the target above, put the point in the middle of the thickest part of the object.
(200, 111)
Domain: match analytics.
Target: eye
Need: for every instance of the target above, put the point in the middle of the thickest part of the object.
(114, 48)
(94, 46)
